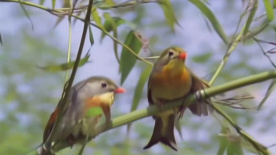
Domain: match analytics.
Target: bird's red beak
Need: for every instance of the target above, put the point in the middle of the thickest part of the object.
(182, 56)
(120, 90)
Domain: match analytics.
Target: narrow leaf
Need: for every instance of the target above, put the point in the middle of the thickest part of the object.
(64, 66)
(95, 111)
(268, 93)
(110, 2)
(222, 145)
(118, 21)
(177, 125)
(202, 58)
(41, 2)
(27, 15)
(269, 10)
(209, 14)
(139, 90)
(168, 12)
(128, 60)
(111, 25)
(91, 38)
(53, 4)
(96, 17)
(1, 41)
(251, 16)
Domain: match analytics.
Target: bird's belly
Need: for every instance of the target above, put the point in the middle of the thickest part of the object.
(86, 127)
(172, 89)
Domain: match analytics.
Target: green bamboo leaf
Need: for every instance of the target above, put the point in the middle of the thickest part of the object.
(223, 141)
(268, 93)
(64, 66)
(53, 4)
(168, 12)
(128, 60)
(109, 25)
(250, 17)
(202, 58)
(97, 18)
(27, 15)
(91, 38)
(41, 2)
(118, 21)
(234, 149)
(269, 10)
(177, 125)
(209, 14)
(95, 111)
(139, 90)
(222, 145)
(110, 2)
(1, 41)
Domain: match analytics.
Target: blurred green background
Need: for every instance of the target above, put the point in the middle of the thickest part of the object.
(28, 94)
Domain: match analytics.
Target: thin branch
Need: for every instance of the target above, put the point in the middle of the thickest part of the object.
(264, 53)
(231, 48)
(66, 92)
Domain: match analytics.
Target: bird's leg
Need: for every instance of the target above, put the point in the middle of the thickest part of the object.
(106, 110)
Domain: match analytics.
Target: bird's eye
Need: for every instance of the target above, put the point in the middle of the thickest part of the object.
(103, 84)
(170, 53)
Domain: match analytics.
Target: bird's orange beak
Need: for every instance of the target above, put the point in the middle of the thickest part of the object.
(120, 90)
(182, 56)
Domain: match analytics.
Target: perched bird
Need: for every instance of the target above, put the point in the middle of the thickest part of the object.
(77, 123)
(170, 79)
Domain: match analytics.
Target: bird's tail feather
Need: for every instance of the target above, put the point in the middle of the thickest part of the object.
(167, 138)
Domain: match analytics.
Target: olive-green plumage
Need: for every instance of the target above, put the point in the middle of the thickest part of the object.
(170, 79)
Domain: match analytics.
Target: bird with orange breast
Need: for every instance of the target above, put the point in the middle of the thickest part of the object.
(76, 123)
(170, 79)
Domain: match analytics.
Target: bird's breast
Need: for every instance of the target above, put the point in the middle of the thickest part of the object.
(170, 85)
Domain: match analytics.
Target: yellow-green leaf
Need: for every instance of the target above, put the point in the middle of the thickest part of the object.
(96, 17)
(95, 111)
(53, 4)
(41, 2)
(118, 21)
(222, 145)
(110, 2)
(234, 149)
(168, 12)
(109, 25)
(91, 38)
(139, 90)
(202, 57)
(211, 17)
(1, 41)
(128, 60)
(269, 10)
(64, 66)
